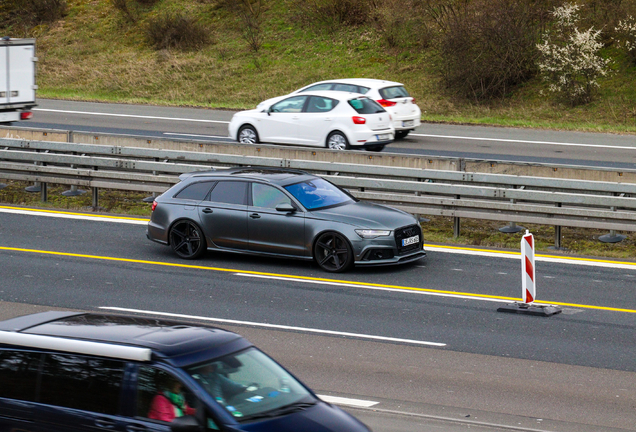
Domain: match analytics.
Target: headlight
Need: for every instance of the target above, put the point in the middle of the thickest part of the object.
(370, 234)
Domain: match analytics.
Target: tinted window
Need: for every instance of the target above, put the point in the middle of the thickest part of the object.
(346, 88)
(291, 105)
(229, 192)
(324, 86)
(267, 196)
(318, 193)
(90, 384)
(321, 104)
(18, 374)
(195, 191)
(394, 92)
(366, 106)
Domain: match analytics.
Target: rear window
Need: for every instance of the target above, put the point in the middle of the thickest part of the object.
(394, 92)
(365, 106)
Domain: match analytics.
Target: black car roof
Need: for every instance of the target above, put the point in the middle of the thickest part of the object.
(181, 342)
(281, 176)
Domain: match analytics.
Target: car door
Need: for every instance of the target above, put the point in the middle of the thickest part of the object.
(223, 215)
(280, 123)
(18, 378)
(316, 121)
(274, 231)
(80, 393)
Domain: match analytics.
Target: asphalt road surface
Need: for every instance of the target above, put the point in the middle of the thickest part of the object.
(423, 343)
(474, 142)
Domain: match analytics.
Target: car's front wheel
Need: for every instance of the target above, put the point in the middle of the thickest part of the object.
(187, 240)
(333, 253)
(337, 141)
(248, 135)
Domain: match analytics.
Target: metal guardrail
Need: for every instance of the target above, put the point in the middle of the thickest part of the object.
(540, 200)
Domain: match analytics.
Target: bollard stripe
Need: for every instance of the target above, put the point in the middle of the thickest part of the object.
(529, 269)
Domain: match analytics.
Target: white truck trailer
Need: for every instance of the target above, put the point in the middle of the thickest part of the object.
(17, 79)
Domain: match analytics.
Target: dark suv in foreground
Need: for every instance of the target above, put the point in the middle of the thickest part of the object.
(67, 372)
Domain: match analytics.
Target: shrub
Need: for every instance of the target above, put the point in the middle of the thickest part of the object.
(626, 36)
(174, 30)
(487, 47)
(30, 13)
(570, 60)
(333, 14)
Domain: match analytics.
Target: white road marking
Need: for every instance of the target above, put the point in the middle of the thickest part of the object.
(195, 135)
(442, 249)
(375, 288)
(132, 116)
(277, 326)
(551, 143)
(347, 401)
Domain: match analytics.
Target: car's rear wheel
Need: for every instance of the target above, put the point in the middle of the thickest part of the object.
(401, 134)
(333, 253)
(248, 135)
(337, 141)
(187, 240)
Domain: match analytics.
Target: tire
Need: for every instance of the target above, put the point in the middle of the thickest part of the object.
(333, 253)
(378, 148)
(247, 135)
(401, 134)
(187, 239)
(337, 141)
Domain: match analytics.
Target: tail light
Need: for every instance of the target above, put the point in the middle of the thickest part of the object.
(154, 205)
(385, 103)
(359, 120)
(413, 100)
(26, 115)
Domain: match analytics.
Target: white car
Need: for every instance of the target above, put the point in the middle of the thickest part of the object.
(391, 95)
(333, 119)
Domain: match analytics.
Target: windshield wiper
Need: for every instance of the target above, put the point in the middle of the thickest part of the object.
(287, 409)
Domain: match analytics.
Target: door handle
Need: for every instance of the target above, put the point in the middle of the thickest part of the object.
(327, 118)
(255, 216)
(207, 210)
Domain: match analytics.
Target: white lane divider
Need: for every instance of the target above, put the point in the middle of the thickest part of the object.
(278, 326)
(132, 116)
(347, 401)
(551, 143)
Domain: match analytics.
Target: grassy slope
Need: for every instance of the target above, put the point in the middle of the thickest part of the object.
(94, 54)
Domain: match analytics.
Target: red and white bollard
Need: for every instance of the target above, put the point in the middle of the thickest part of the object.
(528, 284)
(528, 280)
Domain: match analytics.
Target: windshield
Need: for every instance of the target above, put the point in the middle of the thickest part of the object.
(318, 193)
(251, 385)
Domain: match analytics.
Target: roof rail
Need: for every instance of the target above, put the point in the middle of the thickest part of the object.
(103, 349)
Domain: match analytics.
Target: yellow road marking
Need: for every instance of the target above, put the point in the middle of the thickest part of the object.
(309, 278)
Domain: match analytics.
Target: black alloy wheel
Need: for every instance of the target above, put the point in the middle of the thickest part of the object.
(333, 253)
(401, 134)
(187, 240)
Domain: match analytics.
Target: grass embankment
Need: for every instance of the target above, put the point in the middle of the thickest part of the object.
(95, 54)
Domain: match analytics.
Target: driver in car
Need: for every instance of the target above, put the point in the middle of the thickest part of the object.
(219, 386)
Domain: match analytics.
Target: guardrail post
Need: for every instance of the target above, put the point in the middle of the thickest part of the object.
(44, 192)
(512, 227)
(457, 223)
(612, 237)
(95, 192)
(74, 191)
(36, 185)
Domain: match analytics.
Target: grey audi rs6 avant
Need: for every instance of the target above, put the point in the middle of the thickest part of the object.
(282, 213)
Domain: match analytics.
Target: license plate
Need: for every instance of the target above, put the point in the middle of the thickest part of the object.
(408, 123)
(410, 240)
(383, 137)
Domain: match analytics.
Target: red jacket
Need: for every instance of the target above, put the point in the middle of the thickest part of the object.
(162, 409)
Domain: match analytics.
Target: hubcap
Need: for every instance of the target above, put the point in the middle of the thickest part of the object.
(337, 142)
(247, 136)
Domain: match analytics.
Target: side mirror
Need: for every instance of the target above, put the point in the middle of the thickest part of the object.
(285, 207)
(185, 423)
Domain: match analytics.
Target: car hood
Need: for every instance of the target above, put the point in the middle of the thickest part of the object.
(321, 417)
(367, 215)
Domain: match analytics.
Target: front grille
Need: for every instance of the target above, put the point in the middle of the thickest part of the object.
(406, 232)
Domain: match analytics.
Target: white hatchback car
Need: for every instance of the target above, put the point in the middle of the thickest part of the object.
(333, 119)
(391, 95)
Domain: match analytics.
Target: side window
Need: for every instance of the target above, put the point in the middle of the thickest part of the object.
(18, 374)
(317, 87)
(346, 87)
(363, 90)
(267, 196)
(291, 105)
(86, 383)
(229, 192)
(321, 104)
(161, 396)
(195, 191)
